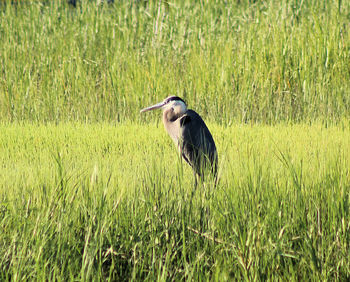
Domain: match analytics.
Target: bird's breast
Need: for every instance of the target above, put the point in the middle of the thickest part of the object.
(173, 129)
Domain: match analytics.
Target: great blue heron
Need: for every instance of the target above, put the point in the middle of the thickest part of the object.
(190, 134)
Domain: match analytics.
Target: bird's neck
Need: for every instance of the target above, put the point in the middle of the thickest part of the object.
(170, 124)
(172, 114)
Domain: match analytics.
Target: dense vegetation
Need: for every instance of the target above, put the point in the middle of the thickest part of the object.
(231, 60)
(90, 191)
(96, 201)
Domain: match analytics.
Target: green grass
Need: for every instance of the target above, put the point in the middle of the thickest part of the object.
(90, 191)
(234, 62)
(101, 201)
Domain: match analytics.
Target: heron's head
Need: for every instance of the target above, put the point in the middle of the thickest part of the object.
(174, 102)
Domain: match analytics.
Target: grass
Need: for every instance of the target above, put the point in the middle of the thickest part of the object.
(90, 191)
(265, 62)
(92, 202)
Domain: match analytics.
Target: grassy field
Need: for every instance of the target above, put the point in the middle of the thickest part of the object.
(262, 62)
(104, 201)
(90, 190)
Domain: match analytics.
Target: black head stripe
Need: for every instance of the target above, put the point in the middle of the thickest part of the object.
(174, 98)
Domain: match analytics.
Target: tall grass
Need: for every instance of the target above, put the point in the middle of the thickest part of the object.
(235, 61)
(82, 199)
(96, 202)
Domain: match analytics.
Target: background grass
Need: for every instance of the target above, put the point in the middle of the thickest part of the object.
(88, 191)
(233, 61)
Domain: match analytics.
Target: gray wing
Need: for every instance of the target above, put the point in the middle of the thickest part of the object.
(197, 144)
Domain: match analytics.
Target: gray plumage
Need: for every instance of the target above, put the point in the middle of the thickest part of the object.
(198, 146)
(190, 134)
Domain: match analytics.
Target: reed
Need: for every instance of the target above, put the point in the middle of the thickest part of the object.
(97, 202)
(234, 61)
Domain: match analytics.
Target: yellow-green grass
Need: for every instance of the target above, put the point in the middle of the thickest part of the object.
(97, 201)
(90, 201)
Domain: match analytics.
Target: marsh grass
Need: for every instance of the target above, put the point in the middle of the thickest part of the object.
(89, 192)
(95, 202)
(233, 61)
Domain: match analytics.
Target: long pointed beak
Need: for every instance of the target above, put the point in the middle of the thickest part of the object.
(156, 106)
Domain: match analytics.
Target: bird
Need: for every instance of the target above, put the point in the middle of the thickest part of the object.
(190, 134)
